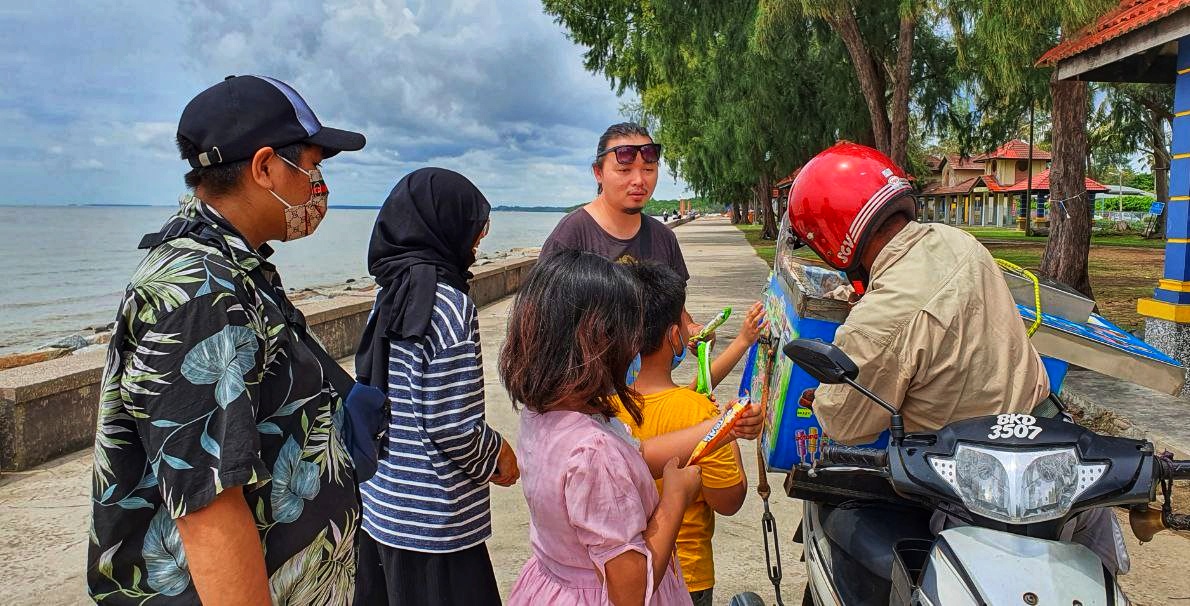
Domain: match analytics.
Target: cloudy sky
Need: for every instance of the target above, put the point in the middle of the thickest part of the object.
(92, 91)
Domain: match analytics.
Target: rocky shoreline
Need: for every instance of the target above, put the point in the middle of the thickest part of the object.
(97, 337)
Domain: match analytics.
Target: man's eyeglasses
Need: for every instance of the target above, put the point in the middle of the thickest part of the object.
(626, 154)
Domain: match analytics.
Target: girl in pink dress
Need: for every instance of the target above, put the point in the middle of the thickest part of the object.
(599, 531)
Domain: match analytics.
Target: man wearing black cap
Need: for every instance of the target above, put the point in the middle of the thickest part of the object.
(220, 475)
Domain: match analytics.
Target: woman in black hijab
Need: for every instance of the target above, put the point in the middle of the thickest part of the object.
(425, 512)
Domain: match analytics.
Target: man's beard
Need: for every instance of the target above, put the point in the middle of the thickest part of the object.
(633, 211)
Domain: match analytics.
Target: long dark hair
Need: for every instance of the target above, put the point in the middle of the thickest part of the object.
(574, 329)
(615, 131)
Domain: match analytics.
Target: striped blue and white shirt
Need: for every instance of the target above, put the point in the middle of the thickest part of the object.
(430, 492)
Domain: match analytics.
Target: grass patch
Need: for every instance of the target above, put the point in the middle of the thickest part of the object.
(998, 233)
(765, 249)
(1120, 273)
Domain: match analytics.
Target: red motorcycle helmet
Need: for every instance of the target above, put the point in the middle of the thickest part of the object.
(841, 196)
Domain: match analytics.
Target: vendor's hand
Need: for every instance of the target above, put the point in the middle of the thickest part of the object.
(682, 482)
(753, 326)
(507, 472)
(750, 423)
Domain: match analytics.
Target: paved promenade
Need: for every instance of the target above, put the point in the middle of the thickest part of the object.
(43, 512)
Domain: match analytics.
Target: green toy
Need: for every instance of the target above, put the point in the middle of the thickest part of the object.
(703, 385)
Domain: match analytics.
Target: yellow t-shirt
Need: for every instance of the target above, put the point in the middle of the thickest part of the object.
(675, 409)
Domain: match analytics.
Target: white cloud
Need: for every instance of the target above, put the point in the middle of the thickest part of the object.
(492, 89)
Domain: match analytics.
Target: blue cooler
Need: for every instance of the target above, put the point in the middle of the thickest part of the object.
(798, 305)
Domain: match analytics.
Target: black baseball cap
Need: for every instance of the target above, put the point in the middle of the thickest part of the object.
(233, 119)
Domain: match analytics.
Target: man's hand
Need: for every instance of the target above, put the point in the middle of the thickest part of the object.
(750, 423)
(507, 472)
(753, 326)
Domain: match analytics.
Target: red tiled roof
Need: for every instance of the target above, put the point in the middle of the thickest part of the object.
(1016, 150)
(958, 162)
(789, 179)
(934, 163)
(992, 184)
(1129, 16)
(1041, 182)
(962, 187)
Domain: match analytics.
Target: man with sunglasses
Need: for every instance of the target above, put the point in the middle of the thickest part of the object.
(613, 225)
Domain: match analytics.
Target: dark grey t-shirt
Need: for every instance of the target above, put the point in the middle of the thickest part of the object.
(653, 242)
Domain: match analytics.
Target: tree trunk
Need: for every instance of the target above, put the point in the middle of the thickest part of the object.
(900, 99)
(871, 82)
(767, 216)
(1065, 257)
(736, 219)
(1161, 162)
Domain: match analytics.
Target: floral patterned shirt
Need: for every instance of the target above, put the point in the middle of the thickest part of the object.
(208, 386)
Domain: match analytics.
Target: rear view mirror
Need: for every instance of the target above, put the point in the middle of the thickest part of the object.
(823, 361)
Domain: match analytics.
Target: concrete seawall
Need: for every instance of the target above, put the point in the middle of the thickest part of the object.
(48, 409)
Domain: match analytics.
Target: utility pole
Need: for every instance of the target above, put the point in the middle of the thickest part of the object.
(1029, 179)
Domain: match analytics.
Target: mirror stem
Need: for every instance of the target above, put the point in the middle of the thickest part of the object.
(896, 428)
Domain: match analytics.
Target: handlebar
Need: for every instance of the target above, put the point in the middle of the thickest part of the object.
(1179, 470)
(855, 456)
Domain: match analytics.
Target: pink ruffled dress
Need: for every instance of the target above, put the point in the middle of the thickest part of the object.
(590, 497)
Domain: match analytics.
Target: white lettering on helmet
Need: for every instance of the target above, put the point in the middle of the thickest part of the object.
(846, 248)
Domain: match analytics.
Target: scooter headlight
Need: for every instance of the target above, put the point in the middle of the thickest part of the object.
(1017, 487)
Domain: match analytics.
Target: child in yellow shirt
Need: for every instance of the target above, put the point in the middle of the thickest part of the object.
(667, 407)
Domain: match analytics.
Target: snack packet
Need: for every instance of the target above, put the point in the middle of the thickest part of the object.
(720, 432)
(712, 326)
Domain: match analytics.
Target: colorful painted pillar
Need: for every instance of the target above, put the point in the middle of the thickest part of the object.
(1167, 312)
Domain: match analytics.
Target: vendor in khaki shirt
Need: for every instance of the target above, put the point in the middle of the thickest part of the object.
(937, 333)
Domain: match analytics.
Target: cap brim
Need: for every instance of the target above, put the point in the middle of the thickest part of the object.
(334, 140)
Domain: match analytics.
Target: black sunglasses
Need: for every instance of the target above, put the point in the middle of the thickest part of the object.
(626, 154)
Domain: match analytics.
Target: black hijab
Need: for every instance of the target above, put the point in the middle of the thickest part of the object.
(423, 235)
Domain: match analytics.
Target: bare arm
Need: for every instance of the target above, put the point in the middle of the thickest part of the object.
(660, 449)
(224, 553)
(727, 501)
(626, 574)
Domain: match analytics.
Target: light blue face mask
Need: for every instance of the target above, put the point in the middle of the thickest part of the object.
(633, 370)
(678, 357)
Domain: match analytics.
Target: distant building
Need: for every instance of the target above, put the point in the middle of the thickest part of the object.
(989, 189)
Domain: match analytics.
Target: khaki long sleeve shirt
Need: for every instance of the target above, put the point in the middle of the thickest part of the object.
(937, 335)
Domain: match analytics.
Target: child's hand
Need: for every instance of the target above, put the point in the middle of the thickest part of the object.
(682, 482)
(753, 327)
(750, 423)
(507, 472)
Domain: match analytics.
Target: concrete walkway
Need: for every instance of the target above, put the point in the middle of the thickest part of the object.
(44, 512)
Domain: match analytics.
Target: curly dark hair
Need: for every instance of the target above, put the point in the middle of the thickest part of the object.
(574, 329)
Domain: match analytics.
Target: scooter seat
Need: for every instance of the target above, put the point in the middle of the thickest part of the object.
(863, 538)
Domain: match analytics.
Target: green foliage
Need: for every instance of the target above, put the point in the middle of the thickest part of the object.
(702, 205)
(1135, 204)
(1143, 181)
